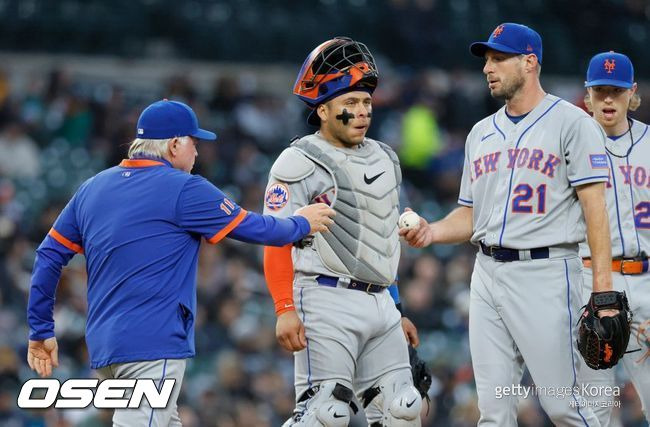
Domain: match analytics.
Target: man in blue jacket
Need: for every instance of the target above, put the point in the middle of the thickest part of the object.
(139, 225)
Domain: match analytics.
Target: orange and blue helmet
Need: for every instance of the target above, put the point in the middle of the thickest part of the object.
(339, 65)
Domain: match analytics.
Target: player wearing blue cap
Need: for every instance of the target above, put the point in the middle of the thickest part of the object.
(611, 94)
(139, 225)
(533, 180)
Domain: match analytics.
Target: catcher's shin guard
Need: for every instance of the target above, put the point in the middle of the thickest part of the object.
(399, 400)
(328, 405)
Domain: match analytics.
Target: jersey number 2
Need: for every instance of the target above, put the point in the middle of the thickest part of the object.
(642, 215)
(523, 194)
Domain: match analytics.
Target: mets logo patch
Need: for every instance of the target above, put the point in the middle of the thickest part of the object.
(598, 161)
(277, 197)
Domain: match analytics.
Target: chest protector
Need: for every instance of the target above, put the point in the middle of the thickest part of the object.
(363, 243)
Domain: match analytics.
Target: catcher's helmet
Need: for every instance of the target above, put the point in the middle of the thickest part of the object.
(334, 67)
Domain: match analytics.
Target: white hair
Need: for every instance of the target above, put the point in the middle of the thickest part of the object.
(151, 147)
(148, 147)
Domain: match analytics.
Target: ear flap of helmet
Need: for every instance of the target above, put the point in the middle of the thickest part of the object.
(335, 66)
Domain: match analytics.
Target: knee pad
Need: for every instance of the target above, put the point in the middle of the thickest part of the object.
(404, 409)
(329, 406)
(399, 400)
(334, 414)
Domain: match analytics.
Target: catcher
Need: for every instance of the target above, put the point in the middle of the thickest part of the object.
(333, 293)
(611, 94)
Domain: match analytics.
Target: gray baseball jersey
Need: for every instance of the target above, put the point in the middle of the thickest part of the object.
(628, 193)
(628, 206)
(353, 337)
(519, 178)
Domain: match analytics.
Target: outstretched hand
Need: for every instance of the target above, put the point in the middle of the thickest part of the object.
(43, 355)
(319, 216)
(418, 237)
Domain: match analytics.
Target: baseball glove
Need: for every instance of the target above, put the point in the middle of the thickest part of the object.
(420, 373)
(602, 341)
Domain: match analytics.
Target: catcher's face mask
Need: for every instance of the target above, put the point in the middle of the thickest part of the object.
(333, 67)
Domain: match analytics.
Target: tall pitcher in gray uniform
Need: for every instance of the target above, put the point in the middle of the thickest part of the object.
(532, 184)
(332, 291)
(611, 94)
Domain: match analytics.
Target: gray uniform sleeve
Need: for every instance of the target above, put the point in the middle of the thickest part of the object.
(465, 194)
(584, 152)
(282, 199)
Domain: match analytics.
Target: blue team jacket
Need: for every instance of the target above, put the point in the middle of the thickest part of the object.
(139, 226)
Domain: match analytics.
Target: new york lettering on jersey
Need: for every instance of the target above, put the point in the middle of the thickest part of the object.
(532, 159)
(637, 176)
(523, 174)
(628, 191)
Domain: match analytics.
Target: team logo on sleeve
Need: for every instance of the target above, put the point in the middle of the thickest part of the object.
(276, 197)
(598, 161)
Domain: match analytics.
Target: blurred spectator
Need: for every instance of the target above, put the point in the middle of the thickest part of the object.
(19, 154)
(77, 122)
(421, 139)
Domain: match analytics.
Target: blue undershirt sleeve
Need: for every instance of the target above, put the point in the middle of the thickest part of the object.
(394, 293)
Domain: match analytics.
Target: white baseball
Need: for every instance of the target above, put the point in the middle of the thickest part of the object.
(408, 220)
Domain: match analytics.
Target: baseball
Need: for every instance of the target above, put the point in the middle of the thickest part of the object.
(408, 220)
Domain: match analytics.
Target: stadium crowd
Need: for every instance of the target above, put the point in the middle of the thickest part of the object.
(60, 129)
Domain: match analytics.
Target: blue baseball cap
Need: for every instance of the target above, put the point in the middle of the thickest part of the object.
(610, 69)
(168, 119)
(511, 38)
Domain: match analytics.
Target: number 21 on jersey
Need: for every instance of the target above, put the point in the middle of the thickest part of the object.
(528, 199)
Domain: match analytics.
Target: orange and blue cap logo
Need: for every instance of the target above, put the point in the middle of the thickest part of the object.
(497, 31)
(610, 65)
(277, 197)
